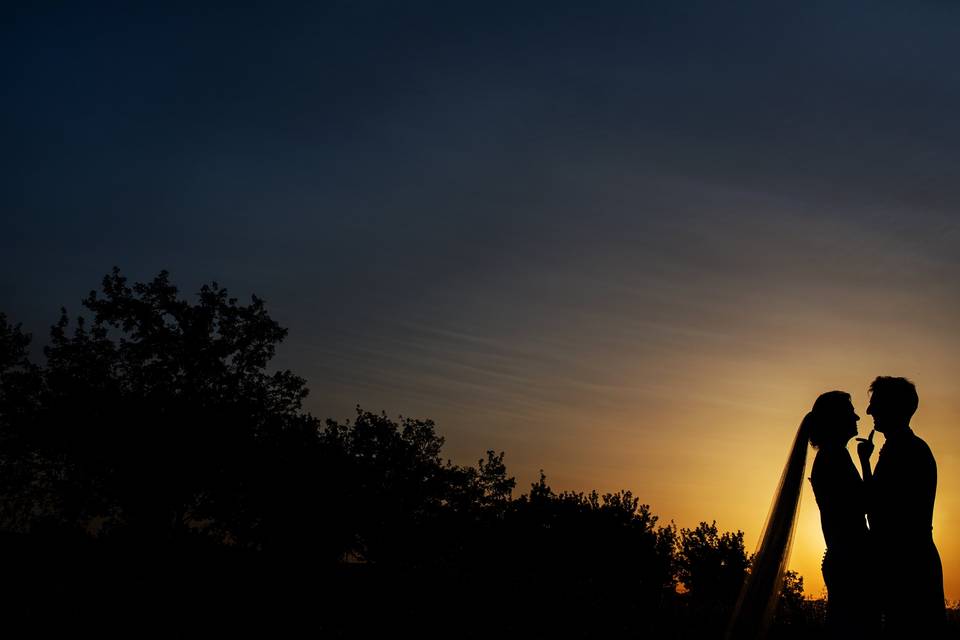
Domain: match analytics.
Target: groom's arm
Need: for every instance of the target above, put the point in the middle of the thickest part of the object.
(865, 470)
(864, 451)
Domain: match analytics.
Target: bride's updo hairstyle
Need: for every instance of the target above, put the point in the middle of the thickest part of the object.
(821, 423)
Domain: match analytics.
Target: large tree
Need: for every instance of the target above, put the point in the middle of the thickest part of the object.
(156, 418)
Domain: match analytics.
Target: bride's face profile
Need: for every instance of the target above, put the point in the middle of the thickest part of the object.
(847, 422)
(834, 420)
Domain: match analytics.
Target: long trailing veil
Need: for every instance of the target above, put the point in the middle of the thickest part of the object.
(758, 596)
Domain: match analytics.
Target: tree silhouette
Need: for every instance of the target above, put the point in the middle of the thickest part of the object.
(711, 566)
(157, 419)
(20, 389)
(397, 501)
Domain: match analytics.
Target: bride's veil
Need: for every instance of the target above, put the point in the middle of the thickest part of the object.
(758, 597)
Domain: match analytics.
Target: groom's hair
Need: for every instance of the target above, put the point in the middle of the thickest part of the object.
(898, 393)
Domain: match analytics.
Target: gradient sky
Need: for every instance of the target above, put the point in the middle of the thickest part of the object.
(628, 244)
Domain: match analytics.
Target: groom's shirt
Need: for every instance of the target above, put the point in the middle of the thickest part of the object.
(902, 492)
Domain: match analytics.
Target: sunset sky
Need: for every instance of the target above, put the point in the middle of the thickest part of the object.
(626, 243)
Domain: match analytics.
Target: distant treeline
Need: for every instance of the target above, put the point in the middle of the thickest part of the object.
(154, 472)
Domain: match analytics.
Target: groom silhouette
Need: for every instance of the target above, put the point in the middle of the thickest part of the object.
(901, 492)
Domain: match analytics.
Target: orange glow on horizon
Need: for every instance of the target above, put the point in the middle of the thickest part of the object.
(685, 383)
(708, 441)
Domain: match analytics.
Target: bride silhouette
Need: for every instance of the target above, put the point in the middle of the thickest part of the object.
(852, 609)
(839, 490)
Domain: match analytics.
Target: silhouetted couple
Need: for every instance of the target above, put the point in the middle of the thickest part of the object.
(881, 568)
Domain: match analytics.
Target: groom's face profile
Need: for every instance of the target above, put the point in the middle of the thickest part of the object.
(880, 411)
(893, 402)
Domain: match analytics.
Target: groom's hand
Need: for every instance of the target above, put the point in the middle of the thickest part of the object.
(865, 446)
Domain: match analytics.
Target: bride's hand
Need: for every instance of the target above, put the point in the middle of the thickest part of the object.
(865, 446)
